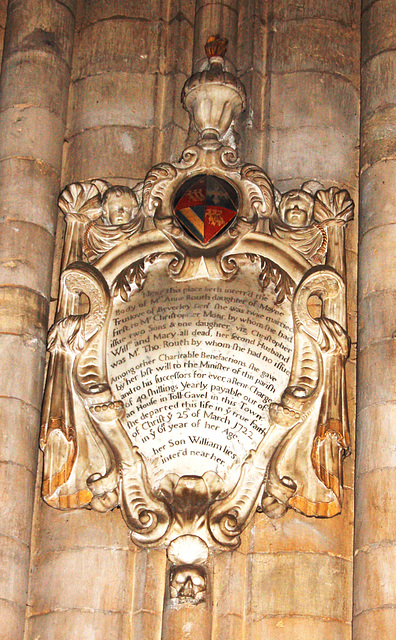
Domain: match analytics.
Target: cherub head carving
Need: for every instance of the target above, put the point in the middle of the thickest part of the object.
(296, 208)
(188, 582)
(119, 205)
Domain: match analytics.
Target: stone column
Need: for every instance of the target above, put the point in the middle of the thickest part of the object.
(375, 515)
(33, 98)
(299, 576)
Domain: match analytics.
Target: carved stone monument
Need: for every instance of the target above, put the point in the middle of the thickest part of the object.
(197, 359)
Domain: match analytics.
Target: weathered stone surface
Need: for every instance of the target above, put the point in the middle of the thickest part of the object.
(102, 569)
(376, 623)
(320, 45)
(19, 433)
(330, 155)
(374, 324)
(229, 567)
(108, 625)
(150, 580)
(376, 447)
(12, 619)
(117, 45)
(314, 99)
(58, 530)
(378, 196)
(376, 250)
(378, 135)
(291, 577)
(296, 534)
(338, 10)
(23, 312)
(375, 509)
(296, 628)
(31, 133)
(215, 17)
(252, 43)
(35, 200)
(14, 558)
(21, 354)
(91, 11)
(87, 153)
(378, 25)
(22, 246)
(374, 571)
(374, 360)
(176, 59)
(112, 99)
(168, 96)
(378, 82)
(16, 524)
(19, 87)
(50, 29)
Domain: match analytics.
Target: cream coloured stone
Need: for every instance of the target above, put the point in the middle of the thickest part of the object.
(337, 10)
(378, 137)
(374, 575)
(376, 250)
(90, 578)
(21, 73)
(35, 200)
(16, 524)
(19, 433)
(291, 577)
(20, 353)
(320, 45)
(176, 59)
(330, 155)
(376, 361)
(12, 619)
(374, 324)
(314, 99)
(378, 87)
(376, 449)
(22, 247)
(112, 99)
(150, 583)
(229, 568)
(14, 571)
(252, 41)
(297, 628)
(375, 509)
(54, 625)
(87, 153)
(31, 133)
(378, 195)
(117, 45)
(215, 17)
(296, 534)
(375, 623)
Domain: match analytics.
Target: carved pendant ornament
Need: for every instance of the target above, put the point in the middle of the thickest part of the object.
(197, 360)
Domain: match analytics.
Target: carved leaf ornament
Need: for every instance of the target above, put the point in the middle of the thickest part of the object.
(189, 381)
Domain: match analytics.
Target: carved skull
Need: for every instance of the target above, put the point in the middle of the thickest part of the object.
(188, 582)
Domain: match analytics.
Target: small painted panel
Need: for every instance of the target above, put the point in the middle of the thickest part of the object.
(206, 206)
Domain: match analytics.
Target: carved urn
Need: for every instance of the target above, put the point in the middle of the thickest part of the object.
(214, 97)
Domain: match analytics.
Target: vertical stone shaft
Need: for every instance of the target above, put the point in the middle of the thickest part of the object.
(211, 17)
(33, 98)
(297, 565)
(375, 514)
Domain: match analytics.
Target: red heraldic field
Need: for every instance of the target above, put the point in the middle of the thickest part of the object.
(206, 206)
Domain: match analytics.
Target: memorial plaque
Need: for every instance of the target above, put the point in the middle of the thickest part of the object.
(197, 367)
(197, 359)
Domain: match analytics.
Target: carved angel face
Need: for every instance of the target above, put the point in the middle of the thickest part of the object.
(296, 208)
(188, 581)
(120, 206)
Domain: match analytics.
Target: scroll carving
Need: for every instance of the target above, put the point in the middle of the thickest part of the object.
(197, 359)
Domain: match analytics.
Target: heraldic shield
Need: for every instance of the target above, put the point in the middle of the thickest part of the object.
(206, 206)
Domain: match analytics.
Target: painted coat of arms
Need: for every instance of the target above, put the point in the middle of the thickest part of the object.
(197, 359)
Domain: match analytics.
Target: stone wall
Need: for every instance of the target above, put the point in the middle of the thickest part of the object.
(91, 88)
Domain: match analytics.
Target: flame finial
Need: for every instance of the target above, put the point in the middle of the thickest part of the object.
(216, 46)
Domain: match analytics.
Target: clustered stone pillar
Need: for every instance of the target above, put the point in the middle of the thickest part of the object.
(375, 515)
(33, 100)
(299, 570)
